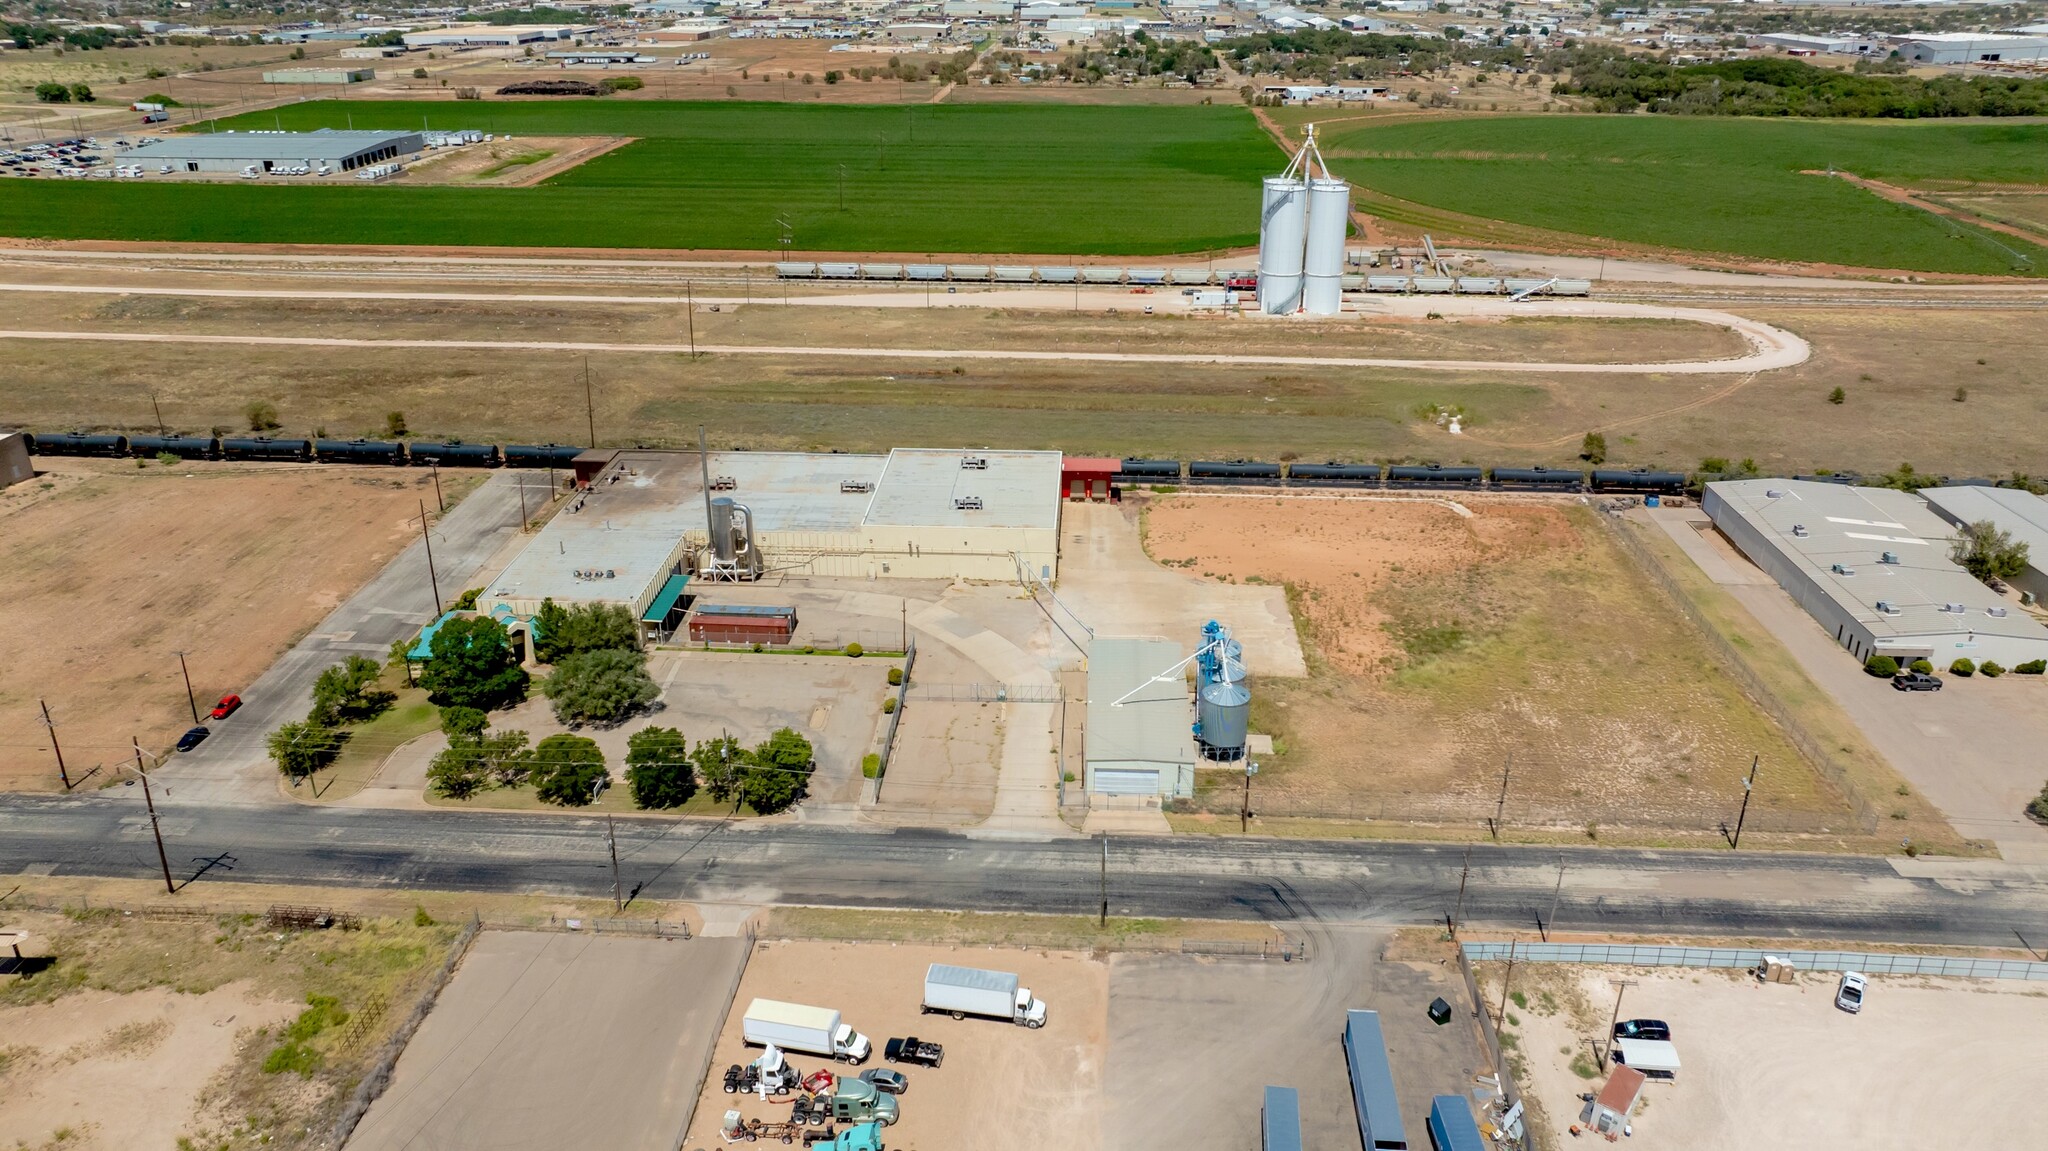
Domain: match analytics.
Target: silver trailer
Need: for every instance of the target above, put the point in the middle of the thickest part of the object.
(801, 271)
(1059, 275)
(1386, 283)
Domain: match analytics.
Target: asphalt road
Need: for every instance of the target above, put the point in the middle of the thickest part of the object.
(232, 765)
(1612, 889)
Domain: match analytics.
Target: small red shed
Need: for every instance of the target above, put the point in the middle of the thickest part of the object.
(1087, 477)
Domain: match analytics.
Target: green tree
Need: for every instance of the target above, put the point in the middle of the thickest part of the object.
(51, 92)
(472, 665)
(584, 627)
(348, 693)
(1593, 449)
(394, 424)
(778, 772)
(1838, 396)
(566, 769)
(658, 768)
(602, 686)
(2037, 807)
(82, 93)
(461, 724)
(477, 763)
(262, 415)
(300, 749)
(721, 763)
(1988, 551)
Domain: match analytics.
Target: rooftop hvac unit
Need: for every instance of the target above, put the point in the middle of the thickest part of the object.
(1995, 612)
(975, 463)
(1800, 531)
(1888, 558)
(1842, 570)
(856, 486)
(1886, 607)
(1952, 608)
(1774, 494)
(723, 483)
(967, 504)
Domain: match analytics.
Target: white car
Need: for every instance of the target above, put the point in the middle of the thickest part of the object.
(1849, 994)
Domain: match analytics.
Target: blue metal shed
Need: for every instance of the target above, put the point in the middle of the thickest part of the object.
(1282, 1119)
(1451, 1125)
(1372, 1083)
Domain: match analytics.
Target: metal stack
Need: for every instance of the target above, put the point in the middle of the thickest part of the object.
(1223, 703)
(1303, 219)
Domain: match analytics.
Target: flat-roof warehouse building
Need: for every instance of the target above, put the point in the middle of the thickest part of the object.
(642, 531)
(1872, 567)
(234, 151)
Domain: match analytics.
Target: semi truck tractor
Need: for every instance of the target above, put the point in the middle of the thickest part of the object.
(866, 1137)
(963, 991)
(857, 1101)
(797, 1027)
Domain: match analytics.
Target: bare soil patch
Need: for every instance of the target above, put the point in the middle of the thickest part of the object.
(1002, 1088)
(1442, 646)
(107, 570)
(512, 163)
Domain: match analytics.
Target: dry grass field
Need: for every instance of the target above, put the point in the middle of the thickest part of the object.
(107, 570)
(1442, 644)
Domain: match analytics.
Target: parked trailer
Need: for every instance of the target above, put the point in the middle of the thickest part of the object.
(540, 456)
(796, 1027)
(1334, 473)
(359, 452)
(1538, 479)
(455, 454)
(1372, 1083)
(1451, 1125)
(1149, 470)
(1386, 283)
(1478, 286)
(1280, 1120)
(1233, 472)
(796, 271)
(183, 447)
(1641, 481)
(76, 444)
(1434, 476)
(265, 448)
(925, 272)
(964, 991)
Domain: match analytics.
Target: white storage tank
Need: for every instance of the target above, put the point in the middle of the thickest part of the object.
(1283, 236)
(1329, 221)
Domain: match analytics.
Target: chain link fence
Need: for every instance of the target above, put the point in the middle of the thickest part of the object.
(1743, 958)
(986, 692)
(1436, 808)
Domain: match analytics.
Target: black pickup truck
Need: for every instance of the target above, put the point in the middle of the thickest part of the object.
(914, 1050)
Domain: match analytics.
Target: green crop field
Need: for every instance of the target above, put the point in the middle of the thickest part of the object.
(925, 178)
(1730, 186)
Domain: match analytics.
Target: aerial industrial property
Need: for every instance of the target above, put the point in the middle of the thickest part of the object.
(990, 574)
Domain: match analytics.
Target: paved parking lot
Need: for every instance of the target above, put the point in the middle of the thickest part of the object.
(551, 1040)
(1194, 1043)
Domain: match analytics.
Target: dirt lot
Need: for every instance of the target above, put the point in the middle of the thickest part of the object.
(1928, 1063)
(1445, 637)
(1002, 1086)
(558, 1040)
(142, 1032)
(106, 570)
(1179, 1030)
(511, 163)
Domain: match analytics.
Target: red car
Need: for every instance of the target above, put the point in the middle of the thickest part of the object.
(226, 707)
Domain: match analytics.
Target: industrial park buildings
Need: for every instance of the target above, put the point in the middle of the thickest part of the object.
(264, 151)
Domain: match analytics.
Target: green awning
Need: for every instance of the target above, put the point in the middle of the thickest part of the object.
(665, 600)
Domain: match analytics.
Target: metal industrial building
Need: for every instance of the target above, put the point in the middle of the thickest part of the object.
(14, 462)
(1871, 566)
(2022, 513)
(1145, 744)
(320, 76)
(265, 151)
(914, 513)
(1971, 48)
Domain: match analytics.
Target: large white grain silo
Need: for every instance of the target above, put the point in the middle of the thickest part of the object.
(1304, 216)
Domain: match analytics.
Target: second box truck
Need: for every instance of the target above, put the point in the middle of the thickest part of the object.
(961, 991)
(796, 1027)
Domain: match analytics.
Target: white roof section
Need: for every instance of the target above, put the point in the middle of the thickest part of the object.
(2022, 513)
(1156, 725)
(921, 487)
(1820, 525)
(792, 1014)
(1649, 1054)
(324, 144)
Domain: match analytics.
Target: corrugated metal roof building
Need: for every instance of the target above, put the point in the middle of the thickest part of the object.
(2024, 514)
(1144, 745)
(1871, 566)
(234, 151)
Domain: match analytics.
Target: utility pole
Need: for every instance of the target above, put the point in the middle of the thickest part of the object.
(1105, 882)
(190, 701)
(1244, 812)
(1620, 985)
(611, 840)
(589, 404)
(1505, 980)
(1502, 805)
(1748, 788)
(159, 413)
(61, 773)
(158, 831)
(522, 502)
(903, 625)
(435, 468)
(428, 540)
(690, 314)
(1458, 918)
(1544, 927)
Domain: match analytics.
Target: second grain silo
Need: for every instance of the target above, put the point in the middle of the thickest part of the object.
(1305, 213)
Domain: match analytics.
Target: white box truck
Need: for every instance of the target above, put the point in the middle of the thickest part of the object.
(963, 991)
(795, 1027)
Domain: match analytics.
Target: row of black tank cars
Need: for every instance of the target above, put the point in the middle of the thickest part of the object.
(1251, 473)
(420, 453)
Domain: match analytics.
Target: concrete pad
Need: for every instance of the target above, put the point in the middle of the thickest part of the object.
(546, 1040)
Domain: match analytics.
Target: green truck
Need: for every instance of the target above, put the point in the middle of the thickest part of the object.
(857, 1101)
(866, 1137)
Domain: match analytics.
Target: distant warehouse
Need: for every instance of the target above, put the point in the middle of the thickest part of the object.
(1871, 566)
(234, 151)
(320, 76)
(1971, 48)
(2021, 513)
